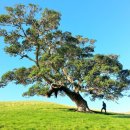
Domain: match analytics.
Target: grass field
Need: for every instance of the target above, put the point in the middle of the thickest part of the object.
(48, 116)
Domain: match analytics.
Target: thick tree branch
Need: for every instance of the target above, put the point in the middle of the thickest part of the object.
(37, 55)
(76, 97)
(67, 76)
(26, 56)
(47, 80)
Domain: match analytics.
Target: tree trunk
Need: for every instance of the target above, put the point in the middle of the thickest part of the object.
(75, 97)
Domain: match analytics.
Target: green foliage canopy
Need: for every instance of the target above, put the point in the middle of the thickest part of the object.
(59, 57)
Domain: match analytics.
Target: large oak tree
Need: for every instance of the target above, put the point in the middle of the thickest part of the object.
(62, 63)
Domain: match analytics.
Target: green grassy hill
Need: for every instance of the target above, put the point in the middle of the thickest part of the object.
(48, 116)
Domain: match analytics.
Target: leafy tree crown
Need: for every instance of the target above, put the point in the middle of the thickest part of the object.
(59, 57)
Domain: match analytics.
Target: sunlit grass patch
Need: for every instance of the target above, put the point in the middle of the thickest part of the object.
(49, 116)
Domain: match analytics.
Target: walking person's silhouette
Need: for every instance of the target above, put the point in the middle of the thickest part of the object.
(103, 106)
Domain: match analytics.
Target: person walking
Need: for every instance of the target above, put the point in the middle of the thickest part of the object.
(103, 107)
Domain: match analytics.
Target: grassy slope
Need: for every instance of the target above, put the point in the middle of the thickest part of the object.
(48, 116)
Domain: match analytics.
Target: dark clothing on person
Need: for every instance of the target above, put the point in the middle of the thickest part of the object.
(103, 107)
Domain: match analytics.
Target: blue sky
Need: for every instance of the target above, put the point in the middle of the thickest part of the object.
(107, 21)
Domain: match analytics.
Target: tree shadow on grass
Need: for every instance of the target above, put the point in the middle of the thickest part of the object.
(66, 109)
(103, 113)
(115, 115)
(122, 116)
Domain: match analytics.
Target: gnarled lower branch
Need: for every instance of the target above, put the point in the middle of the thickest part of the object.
(75, 97)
